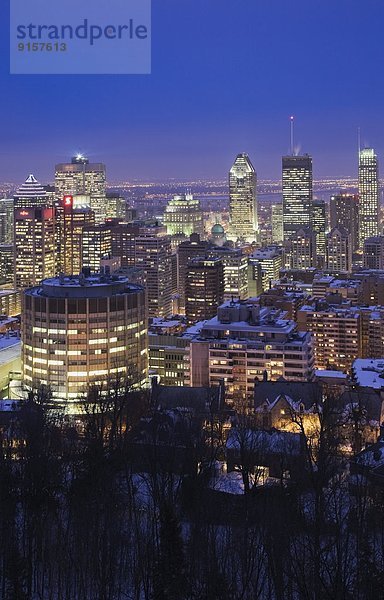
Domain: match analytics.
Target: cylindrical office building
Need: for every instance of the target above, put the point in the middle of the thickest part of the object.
(81, 331)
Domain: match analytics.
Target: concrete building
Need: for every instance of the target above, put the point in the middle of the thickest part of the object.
(339, 250)
(303, 249)
(336, 335)
(344, 211)
(243, 342)
(79, 332)
(269, 261)
(71, 220)
(34, 245)
(204, 288)
(373, 252)
(183, 217)
(195, 247)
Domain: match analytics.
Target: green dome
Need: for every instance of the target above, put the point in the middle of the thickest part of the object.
(217, 229)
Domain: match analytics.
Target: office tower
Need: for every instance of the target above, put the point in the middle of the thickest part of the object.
(243, 200)
(71, 221)
(6, 220)
(153, 254)
(204, 288)
(235, 265)
(7, 252)
(10, 303)
(368, 194)
(297, 193)
(244, 341)
(34, 245)
(339, 250)
(303, 249)
(80, 177)
(96, 243)
(277, 223)
(266, 261)
(124, 242)
(31, 194)
(318, 224)
(182, 217)
(83, 331)
(116, 207)
(373, 252)
(186, 251)
(344, 211)
(336, 335)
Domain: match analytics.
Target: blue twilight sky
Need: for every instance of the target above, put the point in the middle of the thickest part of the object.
(226, 75)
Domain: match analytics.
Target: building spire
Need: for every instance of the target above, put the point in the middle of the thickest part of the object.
(292, 120)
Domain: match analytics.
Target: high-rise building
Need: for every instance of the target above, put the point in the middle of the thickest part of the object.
(244, 341)
(336, 335)
(297, 193)
(96, 243)
(277, 223)
(31, 194)
(368, 194)
(373, 252)
(269, 260)
(339, 250)
(243, 200)
(153, 254)
(204, 288)
(186, 251)
(71, 222)
(7, 253)
(303, 249)
(83, 331)
(344, 211)
(6, 220)
(80, 177)
(116, 207)
(182, 217)
(34, 245)
(235, 265)
(318, 224)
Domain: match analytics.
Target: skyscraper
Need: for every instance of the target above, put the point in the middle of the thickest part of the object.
(6, 220)
(34, 245)
(303, 249)
(344, 211)
(80, 177)
(96, 242)
(277, 223)
(318, 224)
(71, 221)
(204, 289)
(31, 194)
(182, 217)
(297, 193)
(373, 253)
(368, 194)
(339, 250)
(243, 200)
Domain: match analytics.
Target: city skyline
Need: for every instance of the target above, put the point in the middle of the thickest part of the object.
(186, 120)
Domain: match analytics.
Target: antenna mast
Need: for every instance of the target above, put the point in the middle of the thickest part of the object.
(359, 139)
(292, 119)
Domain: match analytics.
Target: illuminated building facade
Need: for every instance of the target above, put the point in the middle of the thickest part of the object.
(82, 331)
(182, 217)
(243, 200)
(344, 211)
(339, 250)
(96, 243)
(204, 288)
(71, 222)
(318, 226)
(277, 223)
(297, 193)
(373, 252)
(186, 251)
(80, 177)
(303, 249)
(235, 265)
(34, 245)
(368, 194)
(31, 194)
(6, 220)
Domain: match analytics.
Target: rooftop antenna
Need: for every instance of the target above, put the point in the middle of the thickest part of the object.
(292, 120)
